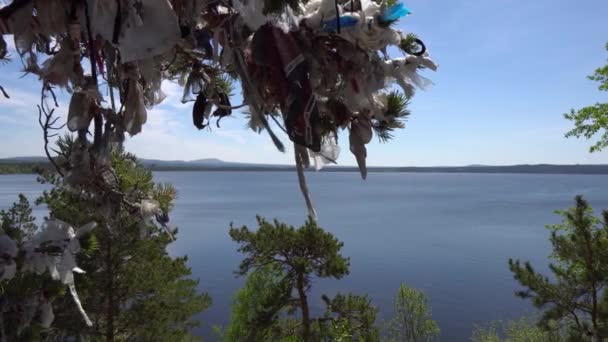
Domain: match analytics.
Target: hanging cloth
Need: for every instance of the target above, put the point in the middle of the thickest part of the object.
(301, 156)
(360, 135)
(146, 28)
(279, 52)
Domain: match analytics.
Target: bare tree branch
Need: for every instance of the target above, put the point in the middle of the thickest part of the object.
(4, 92)
(52, 92)
(47, 123)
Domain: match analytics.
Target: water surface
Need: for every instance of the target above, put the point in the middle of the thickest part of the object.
(449, 234)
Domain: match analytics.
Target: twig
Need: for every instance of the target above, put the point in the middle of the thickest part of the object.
(218, 105)
(337, 8)
(278, 124)
(50, 90)
(111, 91)
(4, 92)
(47, 123)
(165, 68)
(117, 23)
(97, 119)
(46, 137)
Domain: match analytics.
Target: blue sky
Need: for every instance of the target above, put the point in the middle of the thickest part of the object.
(508, 70)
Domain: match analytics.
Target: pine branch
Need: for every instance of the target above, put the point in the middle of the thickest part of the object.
(394, 116)
(397, 104)
(389, 3)
(89, 244)
(164, 194)
(223, 83)
(412, 45)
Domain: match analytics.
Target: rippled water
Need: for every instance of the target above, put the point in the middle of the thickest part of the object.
(449, 234)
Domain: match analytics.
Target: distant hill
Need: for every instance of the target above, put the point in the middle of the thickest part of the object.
(147, 162)
(201, 164)
(208, 161)
(28, 164)
(21, 160)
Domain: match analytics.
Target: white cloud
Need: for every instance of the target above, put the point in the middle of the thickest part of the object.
(166, 137)
(163, 143)
(20, 102)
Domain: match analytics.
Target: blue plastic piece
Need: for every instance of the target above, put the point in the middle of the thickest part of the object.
(394, 13)
(331, 25)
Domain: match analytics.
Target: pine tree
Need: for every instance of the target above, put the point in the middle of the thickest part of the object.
(521, 330)
(299, 253)
(258, 309)
(412, 320)
(281, 260)
(90, 50)
(20, 319)
(575, 297)
(133, 289)
(18, 221)
(592, 120)
(349, 317)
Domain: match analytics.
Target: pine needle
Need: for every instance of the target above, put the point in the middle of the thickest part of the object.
(411, 44)
(395, 116)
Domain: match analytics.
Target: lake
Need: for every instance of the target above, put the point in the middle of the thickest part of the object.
(448, 234)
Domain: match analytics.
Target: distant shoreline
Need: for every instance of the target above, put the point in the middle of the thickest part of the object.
(30, 168)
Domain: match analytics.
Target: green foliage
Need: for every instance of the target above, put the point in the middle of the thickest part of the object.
(295, 255)
(338, 330)
(89, 244)
(521, 330)
(224, 84)
(394, 116)
(262, 307)
(303, 251)
(19, 168)
(349, 317)
(409, 43)
(162, 297)
(588, 122)
(412, 320)
(164, 194)
(181, 64)
(133, 289)
(575, 297)
(64, 145)
(592, 120)
(258, 305)
(601, 76)
(280, 261)
(132, 176)
(389, 3)
(18, 222)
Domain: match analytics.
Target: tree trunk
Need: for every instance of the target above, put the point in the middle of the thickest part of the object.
(98, 132)
(304, 306)
(594, 309)
(110, 292)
